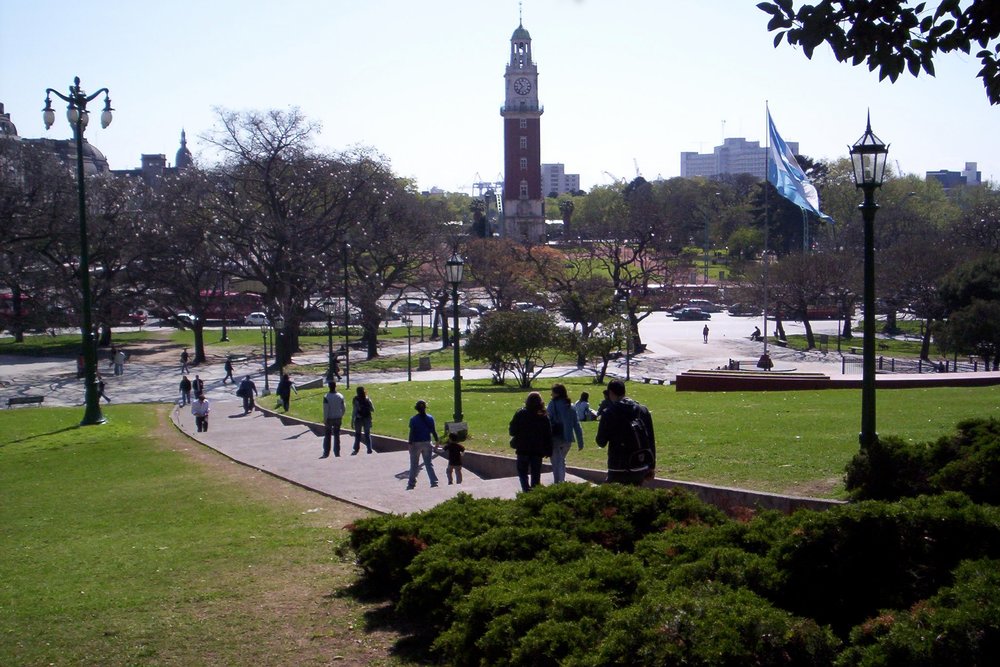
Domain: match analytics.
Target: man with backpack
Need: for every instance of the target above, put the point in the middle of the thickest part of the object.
(626, 428)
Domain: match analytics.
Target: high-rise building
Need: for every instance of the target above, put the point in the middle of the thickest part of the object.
(954, 179)
(736, 155)
(523, 199)
(555, 180)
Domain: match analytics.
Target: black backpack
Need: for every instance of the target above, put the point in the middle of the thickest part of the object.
(638, 445)
(364, 408)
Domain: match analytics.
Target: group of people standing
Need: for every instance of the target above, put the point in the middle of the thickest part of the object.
(334, 411)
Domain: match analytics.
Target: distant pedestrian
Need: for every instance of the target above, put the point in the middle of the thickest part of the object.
(334, 408)
(531, 438)
(119, 362)
(765, 363)
(362, 410)
(228, 366)
(565, 428)
(422, 429)
(631, 446)
(247, 390)
(336, 367)
(605, 404)
(100, 389)
(185, 387)
(184, 361)
(200, 409)
(197, 386)
(704, 334)
(285, 389)
(453, 448)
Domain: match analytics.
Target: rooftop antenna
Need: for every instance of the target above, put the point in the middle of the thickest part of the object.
(520, 13)
(723, 130)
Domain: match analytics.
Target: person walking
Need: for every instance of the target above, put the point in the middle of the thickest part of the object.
(362, 410)
(704, 334)
(453, 448)
(100, 388)
(185, 387)
(334, 408)
(531, 437)
(631, 446)
(228, 367)
(119, 362)
(197, 386)
(247, 390)
(285, 389)
(200, 409)
(184, 361)
(565, 428)
(422, 429)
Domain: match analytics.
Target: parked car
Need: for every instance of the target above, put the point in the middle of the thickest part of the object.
(465, 310)
(413, 308)
(705, 305)
(692, 314)
(526, 307)
(743, 309)
(137, 318)
(186, 319)
(256, 319)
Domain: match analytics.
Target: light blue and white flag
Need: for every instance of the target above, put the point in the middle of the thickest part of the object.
(785, 174)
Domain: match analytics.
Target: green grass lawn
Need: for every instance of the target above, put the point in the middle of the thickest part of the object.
(120, 549)
(795, 441)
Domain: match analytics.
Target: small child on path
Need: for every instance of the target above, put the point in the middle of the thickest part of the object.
(454, 450)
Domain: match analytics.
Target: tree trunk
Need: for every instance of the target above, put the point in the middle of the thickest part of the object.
(810, 338)
(199, 342)
(847, 333)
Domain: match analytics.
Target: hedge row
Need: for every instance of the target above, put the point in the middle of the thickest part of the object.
(579, 575)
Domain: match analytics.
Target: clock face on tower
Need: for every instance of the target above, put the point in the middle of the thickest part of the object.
(522, 86)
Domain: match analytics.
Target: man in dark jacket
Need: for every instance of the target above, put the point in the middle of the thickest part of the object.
(615, 431)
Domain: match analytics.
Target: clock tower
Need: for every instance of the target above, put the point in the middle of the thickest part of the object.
(523, 201)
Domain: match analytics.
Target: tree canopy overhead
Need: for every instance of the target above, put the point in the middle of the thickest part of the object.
(894, 36)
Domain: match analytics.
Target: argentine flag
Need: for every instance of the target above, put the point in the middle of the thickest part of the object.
(785, 174)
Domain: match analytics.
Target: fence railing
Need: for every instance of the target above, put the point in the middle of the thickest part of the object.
(853, 364)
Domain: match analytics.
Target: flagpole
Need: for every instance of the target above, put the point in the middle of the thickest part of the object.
(767, 210)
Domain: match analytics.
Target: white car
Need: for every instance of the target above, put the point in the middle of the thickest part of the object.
(256, 319)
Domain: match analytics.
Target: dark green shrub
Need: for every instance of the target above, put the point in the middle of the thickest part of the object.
(968, 462)
(538, 612)
(614, 516)
(386, 545)
(840, 566)
(444, 573)
(960, 626)
(711, 625)
(889, 469)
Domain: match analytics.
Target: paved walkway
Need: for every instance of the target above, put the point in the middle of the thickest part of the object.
(375, 481)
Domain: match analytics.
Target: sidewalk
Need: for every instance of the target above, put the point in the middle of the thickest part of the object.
(374, 481)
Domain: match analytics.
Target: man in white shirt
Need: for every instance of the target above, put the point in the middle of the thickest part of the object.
(334, 408)
(200, 409)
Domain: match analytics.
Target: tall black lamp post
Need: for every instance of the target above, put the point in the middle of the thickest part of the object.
(868, 156)
(78, 116)
(408, 322)
(329, 308)
(453, 270)
(264, 326)
(347, 326)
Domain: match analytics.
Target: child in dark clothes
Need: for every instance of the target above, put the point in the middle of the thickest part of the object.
(454, 450)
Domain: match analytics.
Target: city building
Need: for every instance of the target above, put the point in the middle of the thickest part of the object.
(954, 179)
(94, 161)
(523, 199)
(555, 180)
(154, 165)
(736, 155)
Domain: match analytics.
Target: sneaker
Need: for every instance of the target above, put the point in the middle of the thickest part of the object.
(433, 484)
(325, 456)
(354, 453)
(409, 488)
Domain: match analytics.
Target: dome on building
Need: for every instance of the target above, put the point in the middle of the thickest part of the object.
(520, 34)
(7, 127)
(183, 159)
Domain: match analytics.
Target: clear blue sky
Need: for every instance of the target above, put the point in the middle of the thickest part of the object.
(623, 83)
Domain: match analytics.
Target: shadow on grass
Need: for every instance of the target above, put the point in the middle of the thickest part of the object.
(413, 644)
(39, 435)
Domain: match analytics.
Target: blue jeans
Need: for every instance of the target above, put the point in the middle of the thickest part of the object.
(560, 449)
(332, 430)
(424, 449)
(529, 463)
(366, 426)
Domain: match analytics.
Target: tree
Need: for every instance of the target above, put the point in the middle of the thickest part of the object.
(517, 342)
(971, 294)
(892, 36)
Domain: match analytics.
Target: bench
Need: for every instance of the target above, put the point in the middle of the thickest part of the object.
(647, 380)
(24, 400)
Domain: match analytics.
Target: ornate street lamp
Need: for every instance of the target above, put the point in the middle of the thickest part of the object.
(347, 326)
(264, 327)
(329, 307)
(453, 270)
(78, 116)
(868, 156)
(408, 322)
